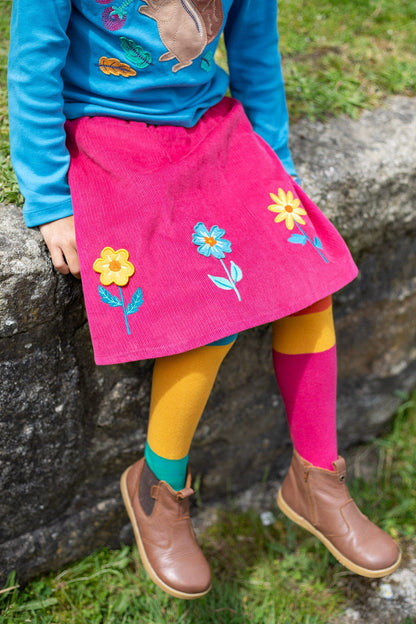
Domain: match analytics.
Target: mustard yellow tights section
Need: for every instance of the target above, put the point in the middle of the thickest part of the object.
(311, 331)
(180, 389)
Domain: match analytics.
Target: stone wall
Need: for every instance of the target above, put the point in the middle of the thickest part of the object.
(69, 428)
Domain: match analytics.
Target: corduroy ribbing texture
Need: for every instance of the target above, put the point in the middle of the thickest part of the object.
(188, 235)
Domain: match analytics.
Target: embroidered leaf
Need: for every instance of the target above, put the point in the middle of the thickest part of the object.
(298, 239)
(317, 243)
(117, 68)
(207, 61)
(221, 282)
(135, 53)
(107, 297)
(236, 272)
(136, 302)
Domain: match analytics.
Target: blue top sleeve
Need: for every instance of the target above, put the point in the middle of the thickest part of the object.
(38, 50)
(256, 79)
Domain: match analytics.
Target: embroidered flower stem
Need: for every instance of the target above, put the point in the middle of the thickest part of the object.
(312, 243)
(124, 310)
(211, 243)
(231, 279)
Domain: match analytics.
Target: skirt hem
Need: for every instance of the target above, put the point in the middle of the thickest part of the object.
(167, 350)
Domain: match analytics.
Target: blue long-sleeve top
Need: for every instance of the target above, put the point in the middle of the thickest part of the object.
(144, 60)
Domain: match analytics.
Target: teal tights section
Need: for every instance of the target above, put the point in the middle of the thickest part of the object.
(173, 471)
(223, 341)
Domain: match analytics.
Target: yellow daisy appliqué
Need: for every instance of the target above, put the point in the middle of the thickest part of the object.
(288, 208)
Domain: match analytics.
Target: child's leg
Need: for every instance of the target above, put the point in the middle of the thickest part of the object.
(305, 363)
(314, 493)
(180, 389)
(156, 489)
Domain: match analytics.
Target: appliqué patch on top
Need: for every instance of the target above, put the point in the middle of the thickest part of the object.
(211, 243)
(290, 210)
(185, 27)
(112, 66)
(114, 17)
(135, 53)
(207, 61)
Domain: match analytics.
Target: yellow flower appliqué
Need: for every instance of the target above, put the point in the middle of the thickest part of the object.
(114, 267)
(288, 207)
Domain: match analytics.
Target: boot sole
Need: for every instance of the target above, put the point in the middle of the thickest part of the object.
(288, 511)
(146, 563)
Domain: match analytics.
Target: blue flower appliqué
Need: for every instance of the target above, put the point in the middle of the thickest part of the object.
(212, 243)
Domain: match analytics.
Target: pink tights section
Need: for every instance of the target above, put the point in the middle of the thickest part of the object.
(307, 383)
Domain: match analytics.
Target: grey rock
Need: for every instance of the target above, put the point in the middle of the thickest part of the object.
(362, 174)
(68, 428)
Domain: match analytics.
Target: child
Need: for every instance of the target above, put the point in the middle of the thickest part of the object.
(189, 228)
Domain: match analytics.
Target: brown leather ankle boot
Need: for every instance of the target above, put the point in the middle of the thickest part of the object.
(164, 533)
(318, 500)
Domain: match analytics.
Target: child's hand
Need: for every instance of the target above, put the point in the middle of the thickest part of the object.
(59, 236)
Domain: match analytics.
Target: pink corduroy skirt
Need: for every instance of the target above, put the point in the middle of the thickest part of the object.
(188, 235)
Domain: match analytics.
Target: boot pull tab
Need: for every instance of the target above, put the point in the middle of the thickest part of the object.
(305, 473)
(154, 491)
(340, 469)
(184, 493)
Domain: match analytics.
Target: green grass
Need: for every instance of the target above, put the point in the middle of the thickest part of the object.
(262, 575)
(393, 501)
(255, 581)
(342, 57)
(338, 58)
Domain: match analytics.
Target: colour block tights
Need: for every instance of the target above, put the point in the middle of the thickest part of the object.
(304, 358)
